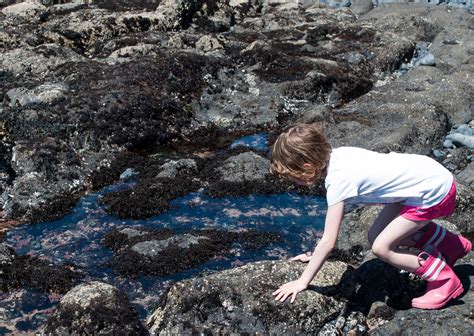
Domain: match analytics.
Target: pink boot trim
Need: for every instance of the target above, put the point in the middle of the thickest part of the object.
(443, 284)
(451, 246)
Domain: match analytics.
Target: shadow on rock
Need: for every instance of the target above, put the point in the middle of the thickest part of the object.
(464, 272)
(377, 281)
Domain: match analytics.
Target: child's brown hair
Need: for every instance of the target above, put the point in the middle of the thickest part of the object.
(299, 145)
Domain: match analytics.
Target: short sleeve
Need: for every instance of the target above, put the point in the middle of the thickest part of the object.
(339, 190)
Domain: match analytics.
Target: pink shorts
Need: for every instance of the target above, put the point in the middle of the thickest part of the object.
(442, 209)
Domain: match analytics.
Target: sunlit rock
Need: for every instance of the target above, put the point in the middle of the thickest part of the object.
(240, 301)
(94, 308)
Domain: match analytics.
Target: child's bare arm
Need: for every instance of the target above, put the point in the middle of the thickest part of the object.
(321, 252)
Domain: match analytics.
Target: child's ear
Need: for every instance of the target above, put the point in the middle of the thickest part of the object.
(308, 166)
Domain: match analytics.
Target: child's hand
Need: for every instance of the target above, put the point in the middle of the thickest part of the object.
(305, 257)
(290, 288)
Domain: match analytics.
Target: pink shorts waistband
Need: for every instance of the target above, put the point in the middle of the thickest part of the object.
(442, 209)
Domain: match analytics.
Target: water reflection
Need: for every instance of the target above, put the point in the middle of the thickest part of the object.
(77, 238)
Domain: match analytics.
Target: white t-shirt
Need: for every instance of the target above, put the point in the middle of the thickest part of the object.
(357, 175)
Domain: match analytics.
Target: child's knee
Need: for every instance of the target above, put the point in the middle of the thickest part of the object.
(380, 249)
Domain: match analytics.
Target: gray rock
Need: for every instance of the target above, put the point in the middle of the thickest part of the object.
(209, 43)
(175, 41)
(240, 301)
(244, 167)
(355, 226)
(172, 168)
(354, 324)
(46, 93)
(27, 9)
(94, 308)
(464, 212)
(437, 153)
(132, 51)
(459, 139)
(20, 96)
(6, 255)
(39, 60)
(428, 59)
(154, 247)
(360, 7)
(317, 113)
(131, 233)
(464, 129)
(448, 144)
(466, 176)
(128, 174)
(338, 3)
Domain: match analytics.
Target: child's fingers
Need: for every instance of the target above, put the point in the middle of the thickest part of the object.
(293, 297)
(305, 257)
(281, 295)
(283, 298)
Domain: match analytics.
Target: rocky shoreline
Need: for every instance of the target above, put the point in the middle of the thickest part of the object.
(91, 95)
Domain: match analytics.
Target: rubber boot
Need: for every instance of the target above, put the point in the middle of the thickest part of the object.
(443, 284)
(451, 246)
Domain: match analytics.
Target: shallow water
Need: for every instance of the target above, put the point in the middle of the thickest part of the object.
(76, 238)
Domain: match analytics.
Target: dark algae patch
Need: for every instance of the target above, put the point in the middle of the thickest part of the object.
(156, 253)
(150, 197)
(31, 272)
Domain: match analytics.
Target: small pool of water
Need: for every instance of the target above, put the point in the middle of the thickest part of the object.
(76, 239)
(257, 141)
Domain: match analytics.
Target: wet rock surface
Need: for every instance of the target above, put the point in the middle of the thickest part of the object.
(94, 308)
(163, 252)
(88, 91)
(240, 301)
(97, 82)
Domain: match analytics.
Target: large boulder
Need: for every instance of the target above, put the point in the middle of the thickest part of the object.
(94, 308)
(27, 10)
(245, 167)
(240, 301)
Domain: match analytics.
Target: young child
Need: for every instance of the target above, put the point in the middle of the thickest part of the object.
(415, 190)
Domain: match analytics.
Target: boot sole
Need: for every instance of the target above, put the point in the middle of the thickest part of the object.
(454, 294)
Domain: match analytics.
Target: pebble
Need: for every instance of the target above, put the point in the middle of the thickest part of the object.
(448, 144)
(128, 173)
(437, 153)
(428, 60)
(465, 129)
(460, 139)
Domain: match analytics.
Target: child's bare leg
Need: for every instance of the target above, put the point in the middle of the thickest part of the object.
(386, 245)
(386, 215)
